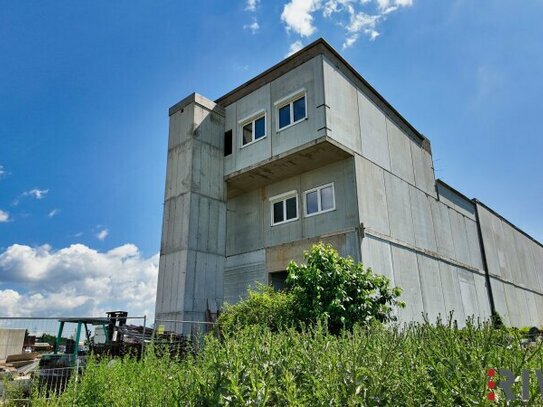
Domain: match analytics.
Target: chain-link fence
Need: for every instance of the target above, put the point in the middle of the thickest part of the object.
(180, 336)
(45, 353)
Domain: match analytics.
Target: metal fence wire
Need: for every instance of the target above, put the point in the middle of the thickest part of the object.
(44, 354)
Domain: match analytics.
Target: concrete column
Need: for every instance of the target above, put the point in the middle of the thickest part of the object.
(192, 253)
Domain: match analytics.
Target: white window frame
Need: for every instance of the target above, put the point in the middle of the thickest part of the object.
(319, 203)
(282, 198)
(252, 119)
(289, 100)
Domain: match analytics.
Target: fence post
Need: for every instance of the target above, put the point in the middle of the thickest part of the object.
(143, 335)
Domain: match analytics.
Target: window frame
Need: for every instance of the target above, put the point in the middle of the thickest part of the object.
(289, 100)
(283, 198)
(251, 120)
(318, 189)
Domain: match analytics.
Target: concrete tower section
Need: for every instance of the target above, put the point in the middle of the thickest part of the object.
(190, 280)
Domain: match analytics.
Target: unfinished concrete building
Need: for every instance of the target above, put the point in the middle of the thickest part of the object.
(308, 151)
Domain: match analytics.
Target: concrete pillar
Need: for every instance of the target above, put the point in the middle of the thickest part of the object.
(192, 253)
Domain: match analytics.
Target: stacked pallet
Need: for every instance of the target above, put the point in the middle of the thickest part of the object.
(20, 364)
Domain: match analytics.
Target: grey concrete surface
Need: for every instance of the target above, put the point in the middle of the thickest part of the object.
(438, 245)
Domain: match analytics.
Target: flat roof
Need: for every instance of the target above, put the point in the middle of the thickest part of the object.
(318, 47)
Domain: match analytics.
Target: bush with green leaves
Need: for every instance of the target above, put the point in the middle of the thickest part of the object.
(339, 290)
(372, 365)
(263, 306)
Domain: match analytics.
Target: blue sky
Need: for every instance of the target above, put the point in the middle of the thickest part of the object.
(85, 89)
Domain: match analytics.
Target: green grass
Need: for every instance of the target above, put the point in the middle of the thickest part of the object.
(420, 365)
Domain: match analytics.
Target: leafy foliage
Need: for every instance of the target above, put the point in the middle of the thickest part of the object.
(263, 306)
(373, 365)
(339, 290)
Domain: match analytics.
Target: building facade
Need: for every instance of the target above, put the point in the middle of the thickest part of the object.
(308, 151)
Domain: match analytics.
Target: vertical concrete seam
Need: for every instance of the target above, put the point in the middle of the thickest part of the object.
(358, 227)
(422, 296)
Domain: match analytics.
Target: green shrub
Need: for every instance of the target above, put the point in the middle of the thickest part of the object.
(263, 306)
(372, 365)
(339, 290)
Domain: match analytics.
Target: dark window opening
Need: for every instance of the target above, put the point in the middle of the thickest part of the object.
(278, 280)
(284, 116)
(278, 212)
(228, 143)
(247, 133)
(299, 109)
(260, 128)
(291, 208)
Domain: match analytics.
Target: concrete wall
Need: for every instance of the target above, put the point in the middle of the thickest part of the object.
(308, 77)
(515, 266)
(353, 119)
(190, 281)
(255, 248)
(11, 342)
(428, 246)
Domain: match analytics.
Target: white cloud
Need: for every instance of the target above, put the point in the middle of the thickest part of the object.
(54, 212)
(36, 193)
(4, 216)
(102, 234)
(357, 17)
(297, 15)
(294, 47)
(251, 5)
(3, 172)
(254, 26)
(76, 280)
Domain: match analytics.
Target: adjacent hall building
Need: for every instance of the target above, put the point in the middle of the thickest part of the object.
(309, 151)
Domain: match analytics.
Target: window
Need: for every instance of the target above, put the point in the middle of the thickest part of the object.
(228, 143)
(291, 110)
(319, 200)
(253, 129)
(284, 208)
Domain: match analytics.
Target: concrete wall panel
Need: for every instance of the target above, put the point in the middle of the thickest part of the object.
(372, 196)
(399, 209)
(432, 293)
(11, 341)
(460, 237)
(422, 219)
(423, 167)
(500, 302)
(406, 276)
(244, 223)
(374, 132)
(241, 272)
(482, 296)
(377, 255)
(468, 293)
(301, 77)
(342, 113)
(456, 201)
(345, 216)
(442, 227)
(401, 162)
(451, 292)
(474, 245)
